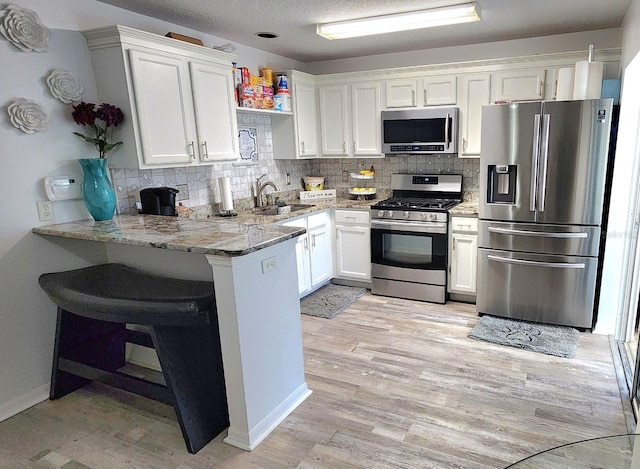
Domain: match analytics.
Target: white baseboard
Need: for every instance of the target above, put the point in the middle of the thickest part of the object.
(20, 403)
(248, 442)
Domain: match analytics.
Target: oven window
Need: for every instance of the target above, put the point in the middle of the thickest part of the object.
(406, 249)
(425, 251)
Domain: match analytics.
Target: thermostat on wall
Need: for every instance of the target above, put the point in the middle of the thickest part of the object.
(62, 187)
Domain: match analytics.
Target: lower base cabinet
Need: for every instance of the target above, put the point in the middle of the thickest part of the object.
(313, 251)
(463, 256)
(353, 245)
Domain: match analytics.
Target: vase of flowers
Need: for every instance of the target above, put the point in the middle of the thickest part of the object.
(98, 194)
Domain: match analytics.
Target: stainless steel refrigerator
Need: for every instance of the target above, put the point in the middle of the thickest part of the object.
(542, 183)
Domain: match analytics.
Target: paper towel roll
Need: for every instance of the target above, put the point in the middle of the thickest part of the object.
(588, 80)
(226, 196)
(564, 89)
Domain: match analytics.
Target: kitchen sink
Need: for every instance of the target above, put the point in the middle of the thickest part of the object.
(275, 210)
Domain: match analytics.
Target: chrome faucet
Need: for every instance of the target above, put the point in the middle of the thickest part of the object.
(260, 187)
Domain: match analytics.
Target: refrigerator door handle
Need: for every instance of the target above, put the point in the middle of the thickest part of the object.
(534, 162)
(541, 234)
(553, 265)
(542, 186)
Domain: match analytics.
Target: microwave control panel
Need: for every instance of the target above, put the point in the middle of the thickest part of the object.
(400, 148)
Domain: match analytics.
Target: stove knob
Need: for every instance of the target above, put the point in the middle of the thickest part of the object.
(380, 213)
(423, 215)
(390, 213)
(406, 214)
(434, 217)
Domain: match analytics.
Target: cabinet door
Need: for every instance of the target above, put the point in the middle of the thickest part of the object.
(164, 108)
(439, 90)
(464, 261)
(302, 256)
(365, 119)
(333, 120)
(305, 114)
(321, 257)
(215, 111)
(474, 92)
(518, 85)
(401, 92)
(353, 252)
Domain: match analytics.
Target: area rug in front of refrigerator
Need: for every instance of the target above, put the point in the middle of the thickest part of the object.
(560, 341)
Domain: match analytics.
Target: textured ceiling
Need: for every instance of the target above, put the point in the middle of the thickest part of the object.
(295, 22)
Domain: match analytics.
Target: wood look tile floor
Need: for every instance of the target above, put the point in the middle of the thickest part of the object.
(396, 384)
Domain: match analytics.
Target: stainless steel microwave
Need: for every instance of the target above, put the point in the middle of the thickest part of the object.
(420, 131)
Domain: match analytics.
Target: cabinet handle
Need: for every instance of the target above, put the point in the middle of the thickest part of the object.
(413, 97)
(313, 241)
(344, 147)
(354, 147)
(425, 96)
(337, 233)
(306, 244)
(302, 146)
(540, 88)
(206, 152)
(464, 145)
(453, 246)
(192, 151)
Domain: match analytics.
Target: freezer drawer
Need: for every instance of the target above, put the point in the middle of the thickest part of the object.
(539, 288)
(540, 238)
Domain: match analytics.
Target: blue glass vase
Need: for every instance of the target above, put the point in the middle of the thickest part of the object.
(98, 194)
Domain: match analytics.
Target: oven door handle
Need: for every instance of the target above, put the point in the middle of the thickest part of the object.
(427, 227)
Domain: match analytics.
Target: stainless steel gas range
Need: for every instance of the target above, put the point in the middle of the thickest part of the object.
(409, 234)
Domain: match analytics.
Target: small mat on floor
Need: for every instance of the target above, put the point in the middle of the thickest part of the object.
(560, 341)
(330, 300)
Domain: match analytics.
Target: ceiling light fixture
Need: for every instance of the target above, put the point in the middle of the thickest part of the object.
(464, 13)
(267, 35)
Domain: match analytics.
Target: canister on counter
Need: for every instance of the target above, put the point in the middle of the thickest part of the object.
(267, 74)
(281, 82)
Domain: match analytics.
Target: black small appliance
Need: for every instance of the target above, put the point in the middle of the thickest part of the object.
(159, 201)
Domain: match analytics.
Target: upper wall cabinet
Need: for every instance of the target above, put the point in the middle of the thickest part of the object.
(297, 137)
(518, 85)
(428, 91)
(350, 120)
(474, 92)
(177, 97)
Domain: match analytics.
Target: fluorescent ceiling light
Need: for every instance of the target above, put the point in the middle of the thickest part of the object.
(464, 13)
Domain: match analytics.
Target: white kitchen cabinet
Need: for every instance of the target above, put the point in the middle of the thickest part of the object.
(439, 90)
(474, 92)
(296, 136)
(436, 90)
(350, 120)
(518, 85)
(353, 245)
(401, 92)
(313, 251)
(463, 255)
(177, 98)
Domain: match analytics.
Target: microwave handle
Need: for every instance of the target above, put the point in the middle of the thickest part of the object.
(446, 131)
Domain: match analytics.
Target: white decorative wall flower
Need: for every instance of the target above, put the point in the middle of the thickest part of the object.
(65, 86)
(23, 29)
(28, 116)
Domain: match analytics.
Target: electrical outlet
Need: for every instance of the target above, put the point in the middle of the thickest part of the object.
(345, 175)
(45, 210)
(268, 265)
(288, 175)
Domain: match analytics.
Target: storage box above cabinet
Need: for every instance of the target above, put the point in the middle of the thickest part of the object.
(177, 97)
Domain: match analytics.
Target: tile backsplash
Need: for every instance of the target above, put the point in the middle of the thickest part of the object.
(199, 186)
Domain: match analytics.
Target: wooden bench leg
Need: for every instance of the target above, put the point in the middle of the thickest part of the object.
(191, 362)
(88, 341)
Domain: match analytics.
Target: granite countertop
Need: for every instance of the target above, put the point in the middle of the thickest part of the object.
(469, 208)
(201, 232)
(217, 236)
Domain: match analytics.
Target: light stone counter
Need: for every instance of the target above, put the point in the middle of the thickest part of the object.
(469, 208)
(220, 236)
